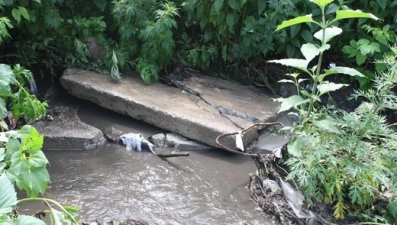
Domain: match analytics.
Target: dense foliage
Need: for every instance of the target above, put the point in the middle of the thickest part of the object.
(22, 162)
(343, 159)
(156, 35)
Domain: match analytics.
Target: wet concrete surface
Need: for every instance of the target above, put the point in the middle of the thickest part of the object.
(110, 183)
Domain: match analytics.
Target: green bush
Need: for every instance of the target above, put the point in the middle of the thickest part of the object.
(49, 35)
(146, 33)
(343, 159)
(151, 36)
(241, 30)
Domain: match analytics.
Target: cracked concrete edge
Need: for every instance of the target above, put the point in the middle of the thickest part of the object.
(222, 110)
(263, 109)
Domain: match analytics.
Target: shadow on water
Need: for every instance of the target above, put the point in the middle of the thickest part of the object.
(110, 183)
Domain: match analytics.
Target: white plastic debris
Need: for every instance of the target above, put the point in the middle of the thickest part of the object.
(277, 153)
(239, 140)
(137, 142)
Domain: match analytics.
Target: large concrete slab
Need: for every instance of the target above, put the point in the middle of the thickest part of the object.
(201, 109)
(65, 131)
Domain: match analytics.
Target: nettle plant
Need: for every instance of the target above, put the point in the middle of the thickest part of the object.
(343, 159)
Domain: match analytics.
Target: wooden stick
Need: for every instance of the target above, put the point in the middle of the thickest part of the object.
(168, 155)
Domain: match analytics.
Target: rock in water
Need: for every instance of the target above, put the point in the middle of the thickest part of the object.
(137, 142)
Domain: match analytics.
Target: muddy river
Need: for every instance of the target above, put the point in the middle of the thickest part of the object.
(110, 183)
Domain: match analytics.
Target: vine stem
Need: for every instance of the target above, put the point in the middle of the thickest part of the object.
(46, 200)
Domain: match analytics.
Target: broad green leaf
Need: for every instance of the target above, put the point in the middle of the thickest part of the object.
(3, 109)
(301, 80)
(6, 78)
(36, 181)
(29, 220)
(328, 32)
(307, 36)
(8, 2)
(18, 166)
(367, 47)
(296, 20)
(382, 3)
(360, 58)
(286, 81)
(218, 5)
(16, 14)
(327, 124)
(37, 159)
(101, 4)
(13, 144)
(8, 195)
(261, 7)
(331, 9)
(230, 21)
(294, 30)
(24, 12)
(233, 4)
(296, 63)
(2, 165)
(33, 142)
(392, 208)
(344, 70)
(349, 50)
(24, 131)
(294, 148)
(321, 3)
(310, 51)
(292, 101)
(329, 86)
(347, 14)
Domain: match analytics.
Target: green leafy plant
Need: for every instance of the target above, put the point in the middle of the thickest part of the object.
(149, 41)
(13, 88)
(343, 159)
(241, 30)
(310, 51)
(370, 48)
(49, 35)
(23, 164)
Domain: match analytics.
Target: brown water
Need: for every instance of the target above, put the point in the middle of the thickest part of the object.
(208, 187)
